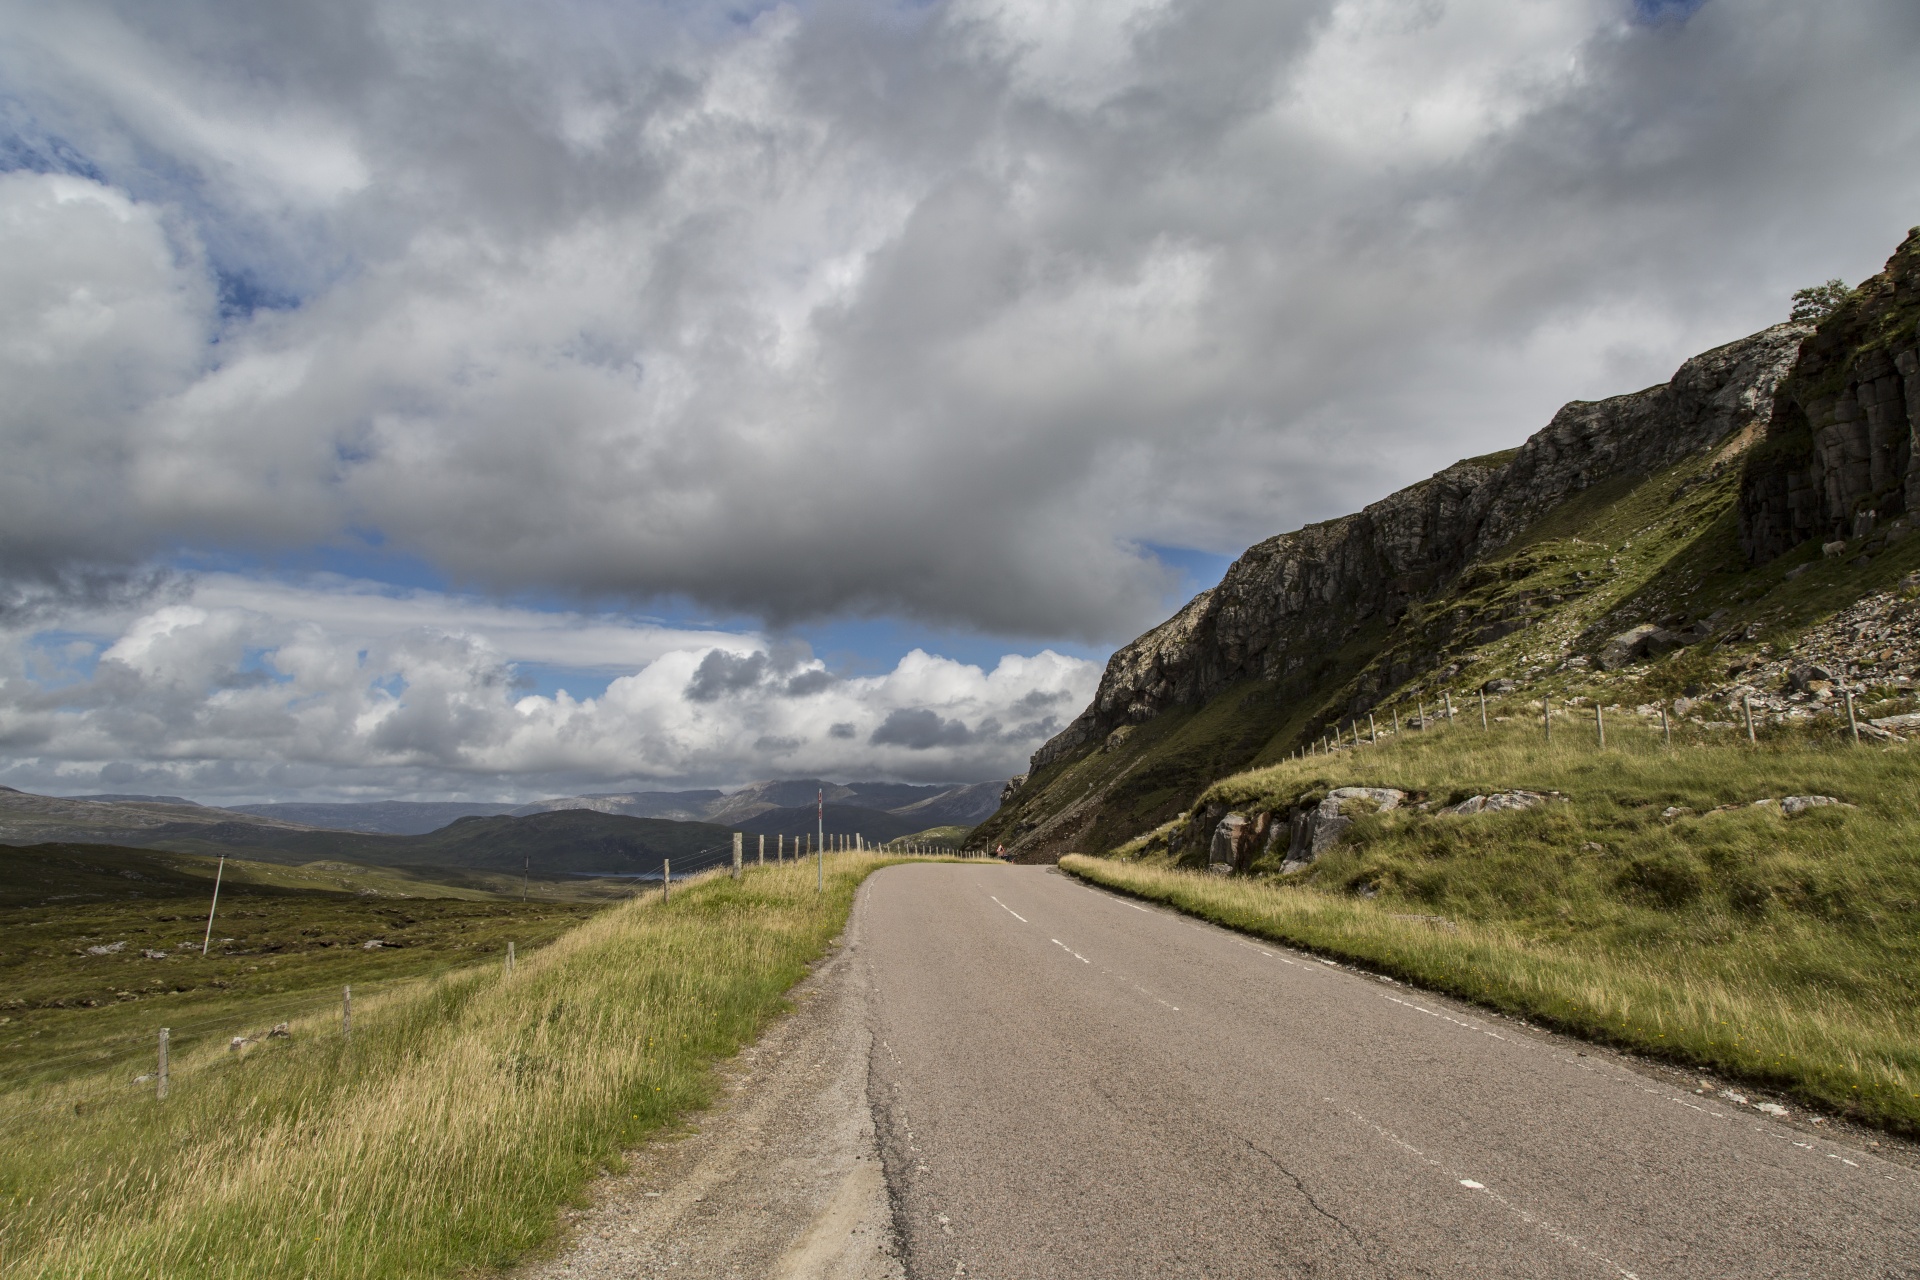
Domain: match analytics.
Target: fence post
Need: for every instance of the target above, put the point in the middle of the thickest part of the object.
(1373, 730)
(1546, 716)
(666, 878)
(346, 1012)
(1852, 724)
(1666, 727)
(1396, 720)
(1746, 705)
(1448, 695)
(762, 857)
(219, 871)
(738, 840)
(1600, 723)
(1423, 715)
(161, 1089)
(509, 958)
(1483, 709)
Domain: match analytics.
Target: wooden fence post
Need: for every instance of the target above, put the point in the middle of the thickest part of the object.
(1546, 716)
(346, 1012)
(1666, 727)
(1600, 723)
(1483, 708)
(1852, 724)
(738, 840)
(666, 878)
(1746, 705)
(161, 1091)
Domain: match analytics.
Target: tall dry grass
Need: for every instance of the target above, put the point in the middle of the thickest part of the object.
(1655, 906)
(1737, 1006)
(444, 1136)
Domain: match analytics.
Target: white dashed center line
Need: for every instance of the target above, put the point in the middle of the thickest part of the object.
(1009, 910)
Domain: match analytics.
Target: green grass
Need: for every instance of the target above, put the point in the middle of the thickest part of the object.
(1783, 951)
(949, 837)
(466, 1109)
(285, 941)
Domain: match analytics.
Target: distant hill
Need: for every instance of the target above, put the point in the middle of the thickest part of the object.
(563, 842)
(936, 804)
(681, 806)
(387, 817)
(841, 820)
(957, 806)
(114, 797)
(619, 834)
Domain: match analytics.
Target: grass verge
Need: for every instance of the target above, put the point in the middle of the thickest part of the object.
(463, 1112)
(1656, 908)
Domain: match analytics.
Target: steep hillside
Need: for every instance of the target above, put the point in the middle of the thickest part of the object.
(1654, 509)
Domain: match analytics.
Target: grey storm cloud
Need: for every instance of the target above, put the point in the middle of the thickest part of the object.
(950, 311)
(918, 729)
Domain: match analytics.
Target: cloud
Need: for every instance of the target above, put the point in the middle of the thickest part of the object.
(340, 690)
(942, 311)
(919, 729)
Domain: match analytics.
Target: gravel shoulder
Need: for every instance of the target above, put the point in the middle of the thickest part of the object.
(782, 1178)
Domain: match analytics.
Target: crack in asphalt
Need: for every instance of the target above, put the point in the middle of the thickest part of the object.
(1359, 1241)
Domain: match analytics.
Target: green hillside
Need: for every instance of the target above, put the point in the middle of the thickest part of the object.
(1680, 547)
(561, 842)
(101, 946)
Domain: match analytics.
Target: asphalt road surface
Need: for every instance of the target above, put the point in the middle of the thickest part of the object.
(1069, 1084)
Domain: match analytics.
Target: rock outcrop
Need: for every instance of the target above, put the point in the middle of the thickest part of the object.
(1839, 453)
(1305, 593)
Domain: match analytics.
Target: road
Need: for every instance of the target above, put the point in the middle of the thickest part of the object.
(1068, 1084)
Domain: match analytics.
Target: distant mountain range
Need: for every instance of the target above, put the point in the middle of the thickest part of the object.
(386, 817)
(924, 806)
(627, 834)
(562, 842)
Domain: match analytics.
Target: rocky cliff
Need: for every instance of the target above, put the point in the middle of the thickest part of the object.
(1300, 595)
(1838, 457)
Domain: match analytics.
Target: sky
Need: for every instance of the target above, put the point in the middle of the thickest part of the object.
(421, 399)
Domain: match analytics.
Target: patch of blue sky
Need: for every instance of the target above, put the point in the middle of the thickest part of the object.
(580, 684)
(59, 659)
(243, 292)
(1656, 11)
(26, 145)
(364, 561)
(873, 646)
(1198, 569)
(257, 664)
